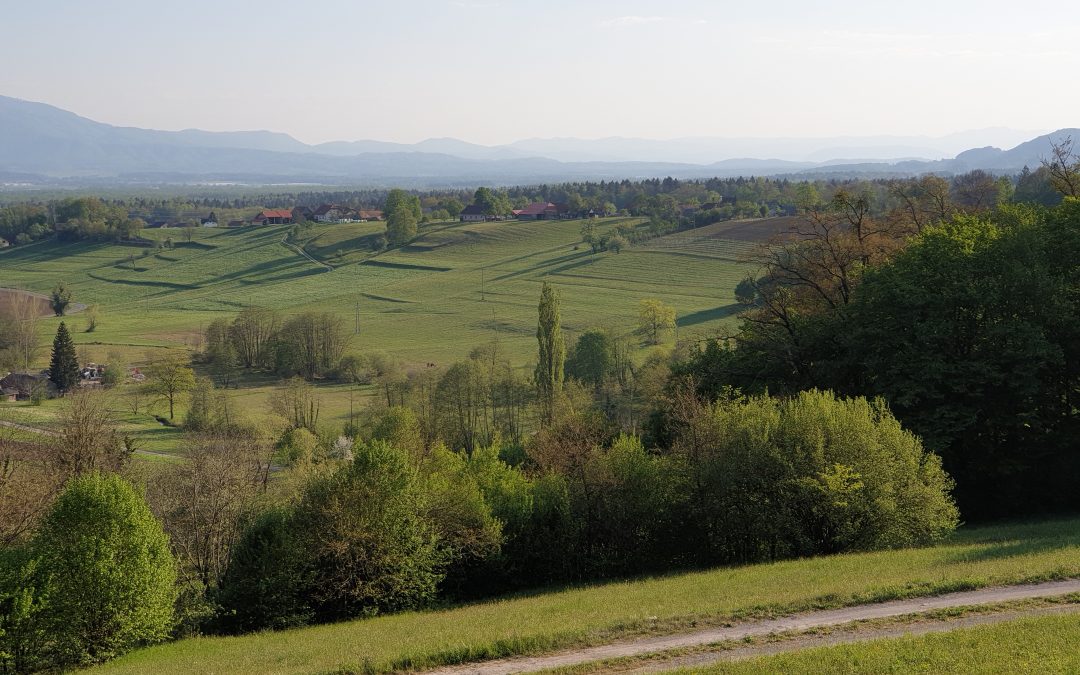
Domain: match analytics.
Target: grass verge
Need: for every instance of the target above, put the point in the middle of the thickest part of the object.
(1033, 645)
(540, 622)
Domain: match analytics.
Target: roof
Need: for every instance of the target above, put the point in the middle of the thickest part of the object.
(324, 209)
(538, 208)
(472, 210)
(275, 213)
(370, 213)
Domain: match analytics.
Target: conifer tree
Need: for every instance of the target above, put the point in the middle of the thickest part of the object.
(549, 368)
(64, 365)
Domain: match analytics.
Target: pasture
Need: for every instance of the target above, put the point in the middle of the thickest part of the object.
(456, 286)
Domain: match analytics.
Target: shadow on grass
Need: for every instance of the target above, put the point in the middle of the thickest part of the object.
(706, 315)
(1012, 540)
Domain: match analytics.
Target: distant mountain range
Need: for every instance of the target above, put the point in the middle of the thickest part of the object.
(42, 144)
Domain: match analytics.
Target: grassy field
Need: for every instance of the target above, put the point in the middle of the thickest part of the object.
(1038, 645)
(456, 286)
(559, 618)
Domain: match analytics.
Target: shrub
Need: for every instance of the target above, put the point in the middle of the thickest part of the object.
(298, 447)
(109, 578)
(813, 474)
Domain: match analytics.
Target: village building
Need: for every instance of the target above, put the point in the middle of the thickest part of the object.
(472, 214)
(273, 217)
(328, 213)
(369, 214)
(301, 213)
(541, 211)
(210, 220)
(23, 385)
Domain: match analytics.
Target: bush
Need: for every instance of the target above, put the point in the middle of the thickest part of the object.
(109, 579)
(358, 543)
(810, 475)
(298, 447)
(268, 575)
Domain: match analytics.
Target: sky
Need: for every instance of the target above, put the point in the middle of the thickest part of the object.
(495, 71)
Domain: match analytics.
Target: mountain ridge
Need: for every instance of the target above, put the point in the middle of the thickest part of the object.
(37, 139)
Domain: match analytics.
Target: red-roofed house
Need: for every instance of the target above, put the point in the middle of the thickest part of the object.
(539, 211)
(273, 217)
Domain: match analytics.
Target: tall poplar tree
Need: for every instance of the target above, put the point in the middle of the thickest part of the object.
(549, 368)
(64, 365)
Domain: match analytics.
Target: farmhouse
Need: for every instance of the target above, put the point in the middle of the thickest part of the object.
(25, 384)
(273, 217)
(328, 213)
(210, 220)
(4, 243)
(472, 214)
(541, 211)
(300, 214)
(369, 214)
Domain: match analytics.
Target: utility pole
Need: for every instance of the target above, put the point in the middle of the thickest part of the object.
(356, 319)
(482, 299)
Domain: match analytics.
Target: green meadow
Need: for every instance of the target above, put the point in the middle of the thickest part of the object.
(458, 285)
(557, 618)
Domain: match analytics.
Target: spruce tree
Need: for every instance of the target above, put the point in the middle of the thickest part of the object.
(549, 368)
(64, 365)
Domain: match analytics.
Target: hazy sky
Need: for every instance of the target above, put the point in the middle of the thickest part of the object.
(492, 71)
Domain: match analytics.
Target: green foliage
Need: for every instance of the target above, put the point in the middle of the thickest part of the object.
(970, 333)
(359, 542)
(746, 291)
(402, 215)
(169, 377)
(298, 447)
(106, 570)
(399, 427)
(552, 353)
(23, 635)
(988, 376)
(268, 574)
(655, 317)
(60, 298)
(466, 529)
(592, 358)
(813, 474)
(493, 202)
(64, 364)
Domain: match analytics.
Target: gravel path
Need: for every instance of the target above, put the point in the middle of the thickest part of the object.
(794, 623)
(844, 637)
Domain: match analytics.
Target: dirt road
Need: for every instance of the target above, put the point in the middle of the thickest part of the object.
(797, 622)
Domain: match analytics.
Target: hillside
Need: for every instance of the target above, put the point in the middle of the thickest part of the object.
(602, 613)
